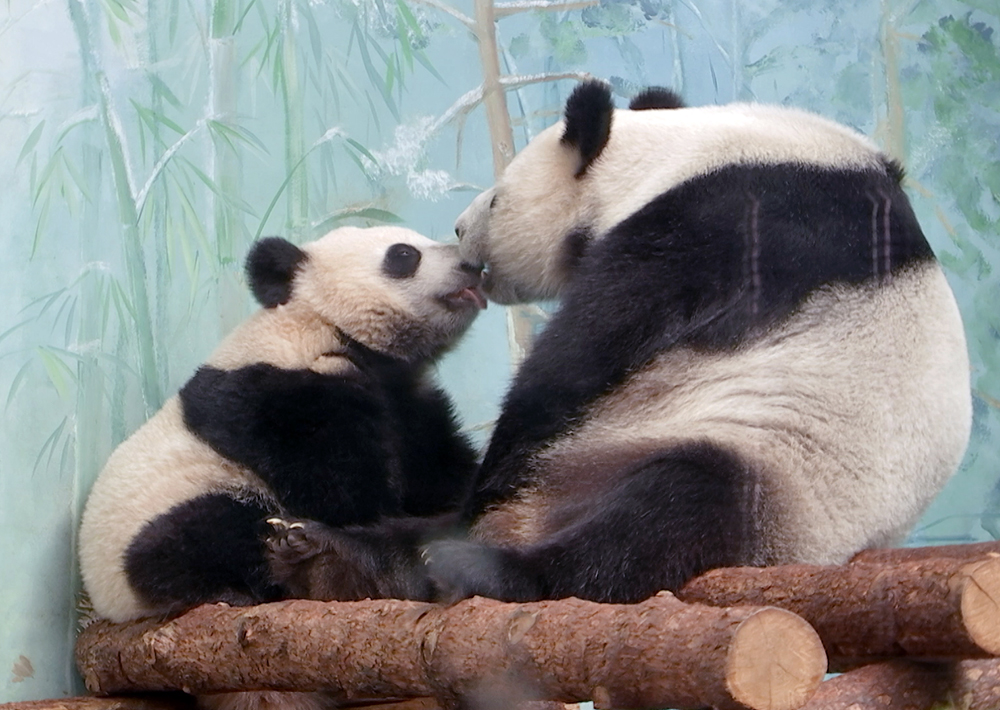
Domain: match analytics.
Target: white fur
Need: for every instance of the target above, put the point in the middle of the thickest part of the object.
(158, 467)
(539, 200)
(852, 440)
(854, 411)
(162, 464)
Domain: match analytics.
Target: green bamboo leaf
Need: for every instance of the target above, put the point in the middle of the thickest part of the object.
(246, 10)
(374, 113)
(232, 200)
(66, 303)
(59, 374)
(174, 15)
(315, 39)
(193, 224)
(70, 322)
(410, 19)
(161, 89)
(152, 118)
(372, 213)
(361, 149)
(15, 328)
(82, 117)
(404, 38)
(43, 180)
(373, 75)
(251, 53)
(390, 76)
(49, 446)
(142, 138)
(113, 32)
(422, 58)
(40, 225)
(361, 166)
(116, 9)
(238, 133)
(29, 145)
(16, 383)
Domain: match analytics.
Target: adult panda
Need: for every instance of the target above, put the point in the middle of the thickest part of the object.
(318, 405)
(756, 359)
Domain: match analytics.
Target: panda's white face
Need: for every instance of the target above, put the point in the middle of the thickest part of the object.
(518, 227)
(551, 201)
(390, 289)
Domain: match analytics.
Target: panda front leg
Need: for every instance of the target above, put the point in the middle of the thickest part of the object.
(677, 514)
(382, 560)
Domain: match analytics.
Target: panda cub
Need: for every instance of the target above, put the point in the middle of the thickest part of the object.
(756, 358)
(318, 406)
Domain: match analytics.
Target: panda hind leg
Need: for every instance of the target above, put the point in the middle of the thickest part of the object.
(378, 561)
(679, 513)
(208, 549)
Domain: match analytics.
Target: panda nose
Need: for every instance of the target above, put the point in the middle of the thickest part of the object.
(471, 269)
(458, 232)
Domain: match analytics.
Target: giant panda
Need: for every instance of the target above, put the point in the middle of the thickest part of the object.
(318, 405)
(755, 358)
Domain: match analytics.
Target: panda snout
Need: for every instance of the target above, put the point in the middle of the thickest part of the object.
(472, 269)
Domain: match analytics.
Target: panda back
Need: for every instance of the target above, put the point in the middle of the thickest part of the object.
(160, 466)
(850, 415)
(650, 152)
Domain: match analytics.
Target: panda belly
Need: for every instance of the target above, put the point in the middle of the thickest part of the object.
(850, 416)
(159, 467)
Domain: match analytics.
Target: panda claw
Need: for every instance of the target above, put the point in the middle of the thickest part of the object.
(277, 523)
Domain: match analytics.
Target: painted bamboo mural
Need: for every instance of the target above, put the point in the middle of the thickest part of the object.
(148, 143)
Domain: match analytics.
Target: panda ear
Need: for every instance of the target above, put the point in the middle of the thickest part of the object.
(271, 267)
(656, 97)
(588, 121)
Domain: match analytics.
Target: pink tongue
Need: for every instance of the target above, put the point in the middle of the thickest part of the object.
(473, 294)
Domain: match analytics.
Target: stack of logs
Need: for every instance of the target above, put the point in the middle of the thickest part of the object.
(910, 628)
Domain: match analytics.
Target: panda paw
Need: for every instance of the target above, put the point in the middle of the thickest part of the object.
(290, 543)
(459, 569)
(309, 560)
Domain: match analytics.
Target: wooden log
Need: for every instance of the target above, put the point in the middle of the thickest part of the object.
(933, 609)
(659, 653)
(895, 555)
(909, 685)
(159, 701)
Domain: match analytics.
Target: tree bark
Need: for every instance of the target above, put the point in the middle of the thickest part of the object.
(909, 685)
(894, 555)
(930, 609)
(659, 653)
(162, 701)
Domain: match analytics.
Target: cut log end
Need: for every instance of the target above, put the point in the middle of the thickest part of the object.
(776, 661)
(980, 603)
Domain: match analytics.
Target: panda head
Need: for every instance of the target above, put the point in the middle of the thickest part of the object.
(389, 289)
(535, 223)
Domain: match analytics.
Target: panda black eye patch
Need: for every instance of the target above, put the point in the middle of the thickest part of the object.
(401, 261)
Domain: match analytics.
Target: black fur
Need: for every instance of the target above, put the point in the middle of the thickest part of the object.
(710, 264)
(668, 518)
(588, 114)
(655, 97)
(341, 450)
(380, 561)
(270, 267)
(207, 549)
